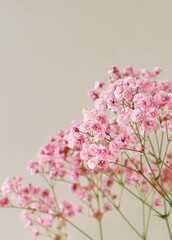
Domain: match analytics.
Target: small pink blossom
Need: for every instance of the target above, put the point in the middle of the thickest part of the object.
(35, 233)
(3, 201)
(92, 163)
(129, 71)
(157, 70)
(137, 115)
(157, 202)
(101, 105)
(118, 93)
(99, 84)
(93, 94)
(113, 72)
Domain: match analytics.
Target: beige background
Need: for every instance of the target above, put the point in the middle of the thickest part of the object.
(51, 53)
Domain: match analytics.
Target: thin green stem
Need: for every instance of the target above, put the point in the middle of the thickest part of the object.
(163, 160)
(161, 144)
(153, 149)
(164, 194)
(133, 150)
(144, 226)
(132, 193)
(149, 215)
(157, 141)
(121, 165)
(101, 229)
(120, 196)
(59, 216)
(118, 210)
(55, 197)
(76, 227)
(169, 229)
(127, 221)
(56, 201)
(167, 199)
(99, 208)
(166, 214)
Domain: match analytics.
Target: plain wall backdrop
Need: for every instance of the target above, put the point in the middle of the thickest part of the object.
(51, 53)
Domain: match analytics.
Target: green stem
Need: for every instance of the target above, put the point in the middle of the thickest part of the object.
(163, 160)
(120, 196)
(168, 227)
(127, 221)
(153, 149)
(149, 215)
(121, 165)
(119, 211)
(161, 144)
(143, 215)
(157, 142)
(166, 214)
(54, 195)
(133, 150)
(99, 208)
(163, 195)
(132, 193)
(59, 216)
(76, 227)
(101, 229)
(56, 201)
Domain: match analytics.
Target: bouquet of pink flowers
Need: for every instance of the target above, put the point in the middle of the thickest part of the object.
(125, 139)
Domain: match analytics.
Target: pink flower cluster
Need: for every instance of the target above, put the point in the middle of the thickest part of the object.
(137, 100)
(40, 210)
(111, 145)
